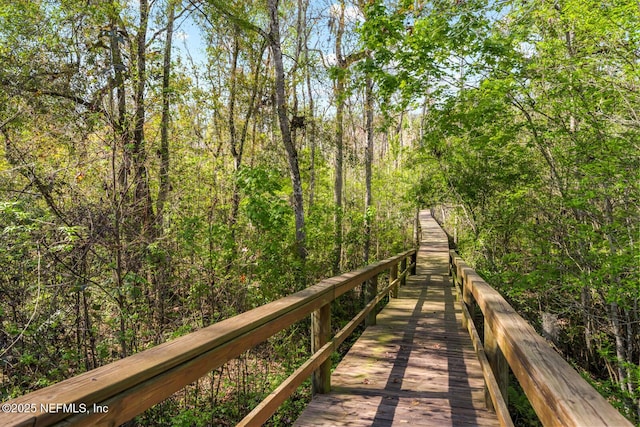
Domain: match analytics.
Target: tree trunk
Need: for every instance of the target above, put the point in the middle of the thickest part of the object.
(338, 179)
(285, 129)
(310, 122)
(368, 160)
(311, 132)
(120, 175)
(236, 151)
(142, 198)
(617, 332)
(165, 184)
(162, 263)
(300, 25)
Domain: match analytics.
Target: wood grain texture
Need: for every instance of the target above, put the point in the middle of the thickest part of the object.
(416, 366)
(320, 335)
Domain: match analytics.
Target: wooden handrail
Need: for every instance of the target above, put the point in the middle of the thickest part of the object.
(558, 394)
(493, 394)
(117, 392)
(268, 406)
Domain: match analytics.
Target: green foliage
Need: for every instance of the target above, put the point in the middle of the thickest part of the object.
(530, 134)
(263, 203)
(291, 409)
(190, 418)
(522, 413)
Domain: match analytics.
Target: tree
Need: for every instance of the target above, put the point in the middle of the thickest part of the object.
(527, 131)
(272, 36)
(285, 129)
(368, 198)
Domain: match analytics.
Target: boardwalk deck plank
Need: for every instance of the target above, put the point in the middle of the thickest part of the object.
(416, 366)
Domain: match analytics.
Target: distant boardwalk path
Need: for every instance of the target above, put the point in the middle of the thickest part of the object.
(416, 366)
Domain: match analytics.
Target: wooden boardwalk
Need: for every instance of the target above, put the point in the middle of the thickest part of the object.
(416, 366)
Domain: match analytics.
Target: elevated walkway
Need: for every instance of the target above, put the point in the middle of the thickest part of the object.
(417, 365)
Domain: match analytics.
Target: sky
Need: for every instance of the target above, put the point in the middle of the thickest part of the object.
(189, 43)
(188, 38)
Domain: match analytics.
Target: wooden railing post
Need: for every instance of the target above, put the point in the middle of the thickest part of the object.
(403, 267)
(372, 291)
(321, 333)
(416, 229)
(498, 364)
(414, 262)
(457, 284)
(467, 297)
(393, 275)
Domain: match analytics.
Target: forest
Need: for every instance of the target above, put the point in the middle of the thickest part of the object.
(166, 164)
